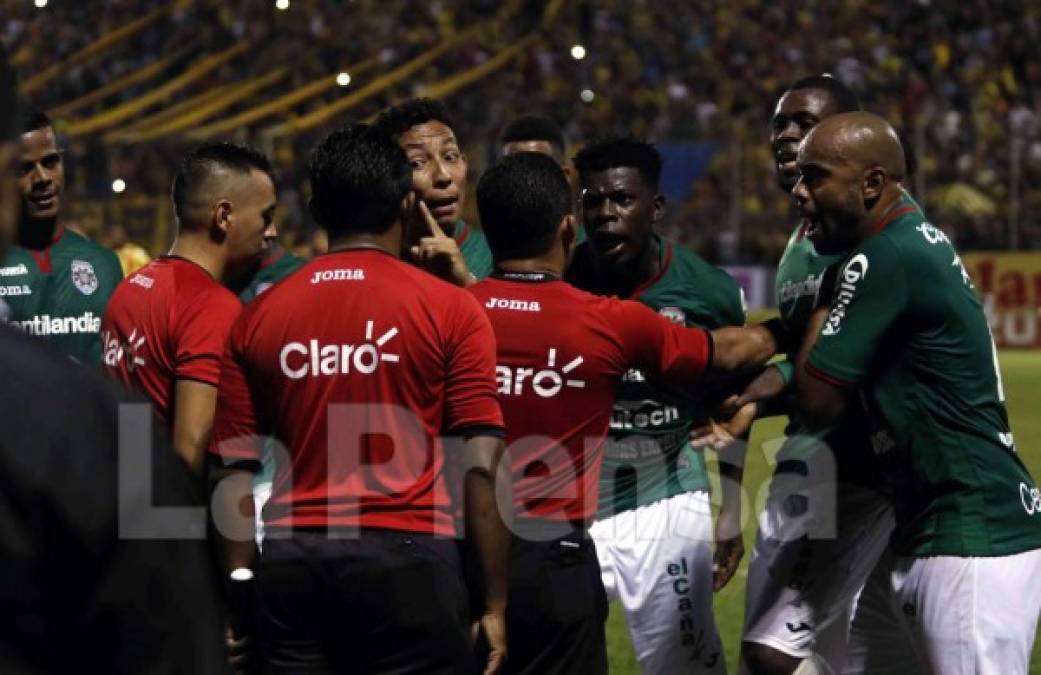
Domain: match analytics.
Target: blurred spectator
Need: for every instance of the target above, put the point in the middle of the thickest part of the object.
(960, 80)
(131, 256)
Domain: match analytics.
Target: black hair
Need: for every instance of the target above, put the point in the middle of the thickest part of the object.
(621, 151)
(8, 100)
(34, 119)
(522, 200)
(359, 177)
(534, 128)
(845, 99)
(200, 163)
(398, 119)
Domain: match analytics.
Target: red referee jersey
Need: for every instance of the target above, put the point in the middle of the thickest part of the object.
(560, 354)
(357, 363)
(168, 321)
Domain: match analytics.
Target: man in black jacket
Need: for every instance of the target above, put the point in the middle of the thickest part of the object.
(75, 595)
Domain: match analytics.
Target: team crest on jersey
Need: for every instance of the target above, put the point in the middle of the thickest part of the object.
(674, 314)
(84, 277)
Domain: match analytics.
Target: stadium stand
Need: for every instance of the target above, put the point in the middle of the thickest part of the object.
(136, 82)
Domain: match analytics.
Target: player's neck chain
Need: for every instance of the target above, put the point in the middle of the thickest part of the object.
(529, 277)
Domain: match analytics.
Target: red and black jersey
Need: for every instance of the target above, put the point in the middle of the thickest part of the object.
(168, 321)
(357, 364)
(561, 352)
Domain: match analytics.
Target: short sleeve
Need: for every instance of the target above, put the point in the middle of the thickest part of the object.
(201, 335)
(871, 295)
(650, 342)
(471, 399)
(235, 423)
(733, 307)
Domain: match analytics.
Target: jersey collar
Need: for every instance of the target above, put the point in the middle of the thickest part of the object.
(902, 207)
(43, 256)
(272, 257)
(664, 260)
(525, 277)
(461, 232)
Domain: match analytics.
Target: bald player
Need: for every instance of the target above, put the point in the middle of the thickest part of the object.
(905, 335)
(808, 565)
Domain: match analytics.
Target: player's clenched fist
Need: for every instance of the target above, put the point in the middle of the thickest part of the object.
(438, 253)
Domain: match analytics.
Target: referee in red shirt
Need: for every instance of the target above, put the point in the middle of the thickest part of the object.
(166, 325)
(358, 364)
(561, 352)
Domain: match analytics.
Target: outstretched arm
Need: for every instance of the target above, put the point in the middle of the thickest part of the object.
(735, 347)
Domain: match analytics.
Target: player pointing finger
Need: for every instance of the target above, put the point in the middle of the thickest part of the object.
(439, 254)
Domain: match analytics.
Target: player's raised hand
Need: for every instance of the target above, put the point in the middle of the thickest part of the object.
(438, 253)
(493, 624)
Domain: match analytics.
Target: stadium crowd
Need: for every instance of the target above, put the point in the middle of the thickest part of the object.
(441, 448)
(956, 79)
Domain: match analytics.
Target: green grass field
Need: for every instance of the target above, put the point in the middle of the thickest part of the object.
(1022, 378)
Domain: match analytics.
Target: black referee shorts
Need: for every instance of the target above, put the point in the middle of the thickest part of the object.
(383, 602)
(557, 607)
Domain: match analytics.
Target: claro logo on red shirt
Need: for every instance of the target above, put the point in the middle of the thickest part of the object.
(545, 383)
(314, 359)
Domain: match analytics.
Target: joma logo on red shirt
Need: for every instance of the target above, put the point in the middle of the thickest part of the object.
(314, 359)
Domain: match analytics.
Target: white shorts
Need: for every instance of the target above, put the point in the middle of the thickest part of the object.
(812, 555)
(948, 616)
(657, 561)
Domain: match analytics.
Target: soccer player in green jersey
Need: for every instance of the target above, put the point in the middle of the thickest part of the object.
(654, 532)
(808, 564)
(437, 238)
(55, 282)
(906, 334)
(277, 264)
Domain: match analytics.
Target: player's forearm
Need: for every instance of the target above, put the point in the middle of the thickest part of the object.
(731, 473)
(486, 526)
(819, 403)
(191, 447)
(233, 515)
(742, 347)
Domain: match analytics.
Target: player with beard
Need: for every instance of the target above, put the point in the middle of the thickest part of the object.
(436, 237)
(826, 521)
(561, 352)
(906, 336)
(654, 529)
(166, 327)
(57, 283)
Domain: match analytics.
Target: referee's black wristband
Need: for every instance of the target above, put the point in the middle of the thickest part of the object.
(782, 338)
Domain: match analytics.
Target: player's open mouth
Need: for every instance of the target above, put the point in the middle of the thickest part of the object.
(608, 243)
(786, 160)
(810, 226)
(43, 201)
(442, 208)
